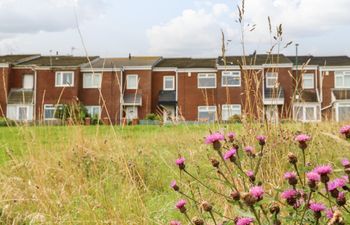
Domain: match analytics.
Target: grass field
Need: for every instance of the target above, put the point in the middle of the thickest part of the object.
(113, 175)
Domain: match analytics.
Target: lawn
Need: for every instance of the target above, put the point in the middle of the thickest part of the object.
(114, 175)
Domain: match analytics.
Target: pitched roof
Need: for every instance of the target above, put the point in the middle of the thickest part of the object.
(257, 59)
(21, 96)
(321, 60)
(57, 61)
(15, 58)
(137, 61)
(188, 62)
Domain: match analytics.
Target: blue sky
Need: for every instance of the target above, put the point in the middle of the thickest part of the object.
(170, 28)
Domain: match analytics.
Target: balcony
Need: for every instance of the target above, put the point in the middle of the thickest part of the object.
(274, 96)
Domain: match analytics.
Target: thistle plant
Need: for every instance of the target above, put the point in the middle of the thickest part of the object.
(308, 196)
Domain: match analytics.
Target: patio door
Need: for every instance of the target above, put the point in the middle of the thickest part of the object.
(131, 112)
(271, 113)
(22, 113)
(168, 113)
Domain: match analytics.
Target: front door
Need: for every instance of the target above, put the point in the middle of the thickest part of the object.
(28, 81)
(131, 112)
(271, 113)
(22, 113)
(168, 113)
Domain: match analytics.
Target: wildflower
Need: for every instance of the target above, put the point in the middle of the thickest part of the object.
(231, 136)
(274, 209)
(313, 178)
(235, 195)
(317, 208)
(175, 222)
(323, 171)
(198, 221)
(345, 162)
(302, 139)
(249, 199)
(230, 155)
(341, 200)
(337, 219)
(290, 196)
(291, 177)
(207, 206)
(181, 205)
(345, 130)
(329, 213)
(174, 186)
(215, 163)
(292, 158)
(261, 139)
(251, 175)
(333, 185)
(215, 139)
(181, 163)
(244, 221)
(257, 192)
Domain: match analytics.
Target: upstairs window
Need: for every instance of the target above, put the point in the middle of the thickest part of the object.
(169, 83)
(132, 81)
(271, 79)
(231, 79)
(64, 79)
(342, 79)
(207, 113)
(206, 80)
(230, 110)
(308, 81)
(92, 80)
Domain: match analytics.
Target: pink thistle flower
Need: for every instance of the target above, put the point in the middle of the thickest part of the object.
(290, 175)
(180, 204)
(345, 129)
(210, 139)
(181, 163)
(229, 154)
(244, 221)
(317, 207)
(257, 192)
(329, 213)
(261, 139)
(313, 176)
(323, 170)
(336, 183)
(248, 149)
(231, 135)
(302, 138)
(289, 194)
(345, 162)
(174, 186)
(250, 173)
(175, 222)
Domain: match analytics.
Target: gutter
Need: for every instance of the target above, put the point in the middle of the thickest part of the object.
(177, 94)
(34, 92)
(121, 97)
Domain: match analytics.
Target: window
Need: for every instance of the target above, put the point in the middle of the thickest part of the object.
(50, 111)
(168, 83)
(132, 81)
(92, 80)
(94, 111)
(343, 112)
(308, 81)
(22, 113)
(206, 80)
(307, 112)
(230, 110)
(342, 79)
(271, 80)
(231, 79)
(64, 79)
(207, 113)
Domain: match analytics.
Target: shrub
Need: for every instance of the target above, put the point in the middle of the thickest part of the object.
(315, 195)
(152, 116)
(235, 119)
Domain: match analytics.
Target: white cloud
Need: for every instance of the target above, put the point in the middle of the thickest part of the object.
(195, 32)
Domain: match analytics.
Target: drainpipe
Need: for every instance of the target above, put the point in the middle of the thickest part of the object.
(121, 99)
(177, 94)
(34, 93)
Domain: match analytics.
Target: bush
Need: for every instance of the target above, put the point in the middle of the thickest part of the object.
(76, 112)
(152, 116)
(235, 119)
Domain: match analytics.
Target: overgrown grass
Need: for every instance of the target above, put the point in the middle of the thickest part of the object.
(113, 175)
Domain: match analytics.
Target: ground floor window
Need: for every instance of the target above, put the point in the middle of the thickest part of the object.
(20, 112)
(342, 111)
(50, 111)
(94, 111)
(207, 113)
(131, 112)
(230, 110)
(307, 112)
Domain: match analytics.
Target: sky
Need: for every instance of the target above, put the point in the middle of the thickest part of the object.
(191, 28)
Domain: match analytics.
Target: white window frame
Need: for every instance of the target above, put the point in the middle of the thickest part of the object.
(51, 106)
(93, 75)
(206, 75)
(230, 107)
(317, 113)
(173, 83)
(207, 109)
(234, 74)
(59, 83)
(27, 109)
(339, 105)
(269, 76)
(312, 78)
(341, 74)
(90, 108)
(128, 83)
